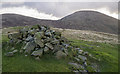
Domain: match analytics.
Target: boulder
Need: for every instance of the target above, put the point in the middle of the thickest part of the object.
(49, 46)
(29, 47)
(60, 54)
(39, 42)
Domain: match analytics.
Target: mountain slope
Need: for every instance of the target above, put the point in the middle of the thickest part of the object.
(91, 20)
(81, 20)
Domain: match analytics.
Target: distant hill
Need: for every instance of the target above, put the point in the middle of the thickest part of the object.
(81, 20)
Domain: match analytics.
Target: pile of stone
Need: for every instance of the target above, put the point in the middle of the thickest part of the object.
(38, 41)
(80, 63)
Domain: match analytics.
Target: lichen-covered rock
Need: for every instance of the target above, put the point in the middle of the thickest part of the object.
(46, 49)
(29, 47)
(60, 54)
(39, 42)
(9, 54)
(76, 66)
(29, 38)
(14, 51)
(37, 53)
(49, 46)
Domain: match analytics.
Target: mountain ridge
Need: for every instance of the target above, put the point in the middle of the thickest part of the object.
(80, 20)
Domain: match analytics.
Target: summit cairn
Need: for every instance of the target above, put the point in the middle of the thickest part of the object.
(38, 41)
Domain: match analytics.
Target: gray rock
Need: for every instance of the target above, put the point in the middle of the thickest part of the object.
(76, 59)
(12, 48)
(66, 51)
(39, 35)
(37, 58)
(48, 33)
(85, 53)
(60, 54)
(32, 31)
(49, 45)
(65, 45)
(37, 53)
(39, 42)
(46, 49)
(55, 41)
(85, 63)
(21, 51)
(80, 51)
(78, 66)
(26, 55)
(29, 38)
(43, 28)
(14, 51)
(29, 47)
(83, 58)
(56, 48)
(9, 54)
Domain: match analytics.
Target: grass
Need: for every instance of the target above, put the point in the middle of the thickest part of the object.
(107, 53)
(20, 63)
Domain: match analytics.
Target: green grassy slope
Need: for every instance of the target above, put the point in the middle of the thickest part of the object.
(107, 53)
(20, 63)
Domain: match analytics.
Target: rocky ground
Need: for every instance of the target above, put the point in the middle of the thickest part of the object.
(89, 35)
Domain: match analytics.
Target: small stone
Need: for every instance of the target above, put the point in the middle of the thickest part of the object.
(46, 49)
(85, 63)
(78, 60)
(12, 48)
(37, 53)
(21, 51)
(37, 58)
(26, 55)
(14, 51)
(39, 35)
(85, 53)
(47, 33)
(80, 51)
(29, 38)
(78, 66)
(9, 54)
(82, 58)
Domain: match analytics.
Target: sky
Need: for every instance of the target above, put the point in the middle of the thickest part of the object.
(56, 9)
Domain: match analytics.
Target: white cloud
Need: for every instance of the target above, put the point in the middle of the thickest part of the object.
(104, 11)
(59, 0)
(28, 12)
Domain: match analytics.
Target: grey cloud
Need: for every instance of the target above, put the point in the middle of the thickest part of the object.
(61, 9)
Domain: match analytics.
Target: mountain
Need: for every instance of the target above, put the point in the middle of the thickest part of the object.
(81, 20)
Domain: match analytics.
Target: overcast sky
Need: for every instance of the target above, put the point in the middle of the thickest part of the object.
(57, 10)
